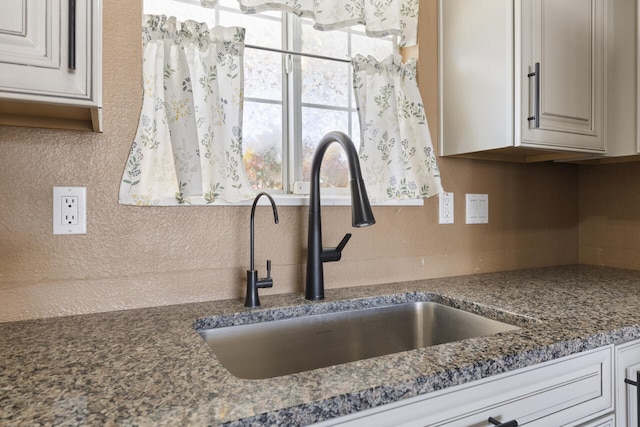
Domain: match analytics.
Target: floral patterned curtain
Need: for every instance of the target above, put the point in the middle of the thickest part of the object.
(188, 146)
(380, 17)
(396, 153)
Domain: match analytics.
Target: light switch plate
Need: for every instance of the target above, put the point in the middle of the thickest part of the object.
(477, 208)
(69, 210)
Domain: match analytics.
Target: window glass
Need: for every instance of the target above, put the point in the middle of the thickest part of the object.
(261, 30)
(317, 122)
(182, 10)
(262, 144)
(285, 114)
(355, 129)
(262, 74)
(379, 48)
(334, 44)
(325, 82)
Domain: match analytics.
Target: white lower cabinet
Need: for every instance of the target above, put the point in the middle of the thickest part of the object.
(571, 391)
(627, 366)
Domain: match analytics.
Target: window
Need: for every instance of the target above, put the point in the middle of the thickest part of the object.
(291, 101)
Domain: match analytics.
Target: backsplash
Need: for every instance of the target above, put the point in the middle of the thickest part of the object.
(144, 256)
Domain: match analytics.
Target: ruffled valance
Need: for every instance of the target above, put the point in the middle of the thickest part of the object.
(380, 17)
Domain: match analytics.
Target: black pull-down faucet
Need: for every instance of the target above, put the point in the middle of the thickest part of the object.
(362, 215)
(253, 283)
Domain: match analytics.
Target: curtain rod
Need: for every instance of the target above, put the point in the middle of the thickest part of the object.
(289, 52)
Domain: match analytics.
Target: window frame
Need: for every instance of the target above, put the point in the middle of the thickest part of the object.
(292, 146)
(294, 191)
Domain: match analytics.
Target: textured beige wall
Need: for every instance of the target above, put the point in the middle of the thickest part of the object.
(137, 257)
(610, 215)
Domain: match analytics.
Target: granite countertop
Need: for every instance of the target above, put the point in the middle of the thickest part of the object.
(150, 366)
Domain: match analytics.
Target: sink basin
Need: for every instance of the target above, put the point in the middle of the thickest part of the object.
(280, 347)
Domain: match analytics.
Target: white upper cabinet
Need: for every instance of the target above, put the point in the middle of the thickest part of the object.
(522, 80)
(563, 103)
(622, 76)
(50, 54)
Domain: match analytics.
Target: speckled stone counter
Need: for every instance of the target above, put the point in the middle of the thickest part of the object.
(150, 367)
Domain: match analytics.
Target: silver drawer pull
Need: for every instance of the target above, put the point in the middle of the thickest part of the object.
(536, 97)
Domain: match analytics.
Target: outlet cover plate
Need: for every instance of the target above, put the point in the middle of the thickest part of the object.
(69, 210)
(445, 213)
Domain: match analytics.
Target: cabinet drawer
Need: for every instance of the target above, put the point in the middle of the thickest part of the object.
(565, 391)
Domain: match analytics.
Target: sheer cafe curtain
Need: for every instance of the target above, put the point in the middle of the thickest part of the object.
(396, 152)
(188, 145)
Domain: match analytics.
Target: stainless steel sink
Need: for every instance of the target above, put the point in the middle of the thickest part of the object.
(280, 347)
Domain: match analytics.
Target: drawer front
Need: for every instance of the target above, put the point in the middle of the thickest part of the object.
(566, 391)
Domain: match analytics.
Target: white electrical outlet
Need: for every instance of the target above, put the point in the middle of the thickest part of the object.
(69, 210)
(445, 208)
(477, 208)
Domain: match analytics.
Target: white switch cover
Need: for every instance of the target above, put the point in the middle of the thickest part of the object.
(446, 208)
(69, 210)
(477, 209)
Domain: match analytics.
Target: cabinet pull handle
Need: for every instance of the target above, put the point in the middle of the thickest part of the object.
(512, 423)
(72, 34)
(536, 96)
(636, 384)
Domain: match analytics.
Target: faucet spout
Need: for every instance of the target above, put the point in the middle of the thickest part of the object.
(361, 213)
(253, 283)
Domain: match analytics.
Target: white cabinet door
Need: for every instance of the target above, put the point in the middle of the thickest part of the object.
(563, 59)
(488, 50)
(622, 75)
(627, 366)
(37, 42)
(476, 75)
(26, 31)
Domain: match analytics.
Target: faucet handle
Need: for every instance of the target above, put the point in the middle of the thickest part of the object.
(343, 242)
(334, 254)
(266, 282)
